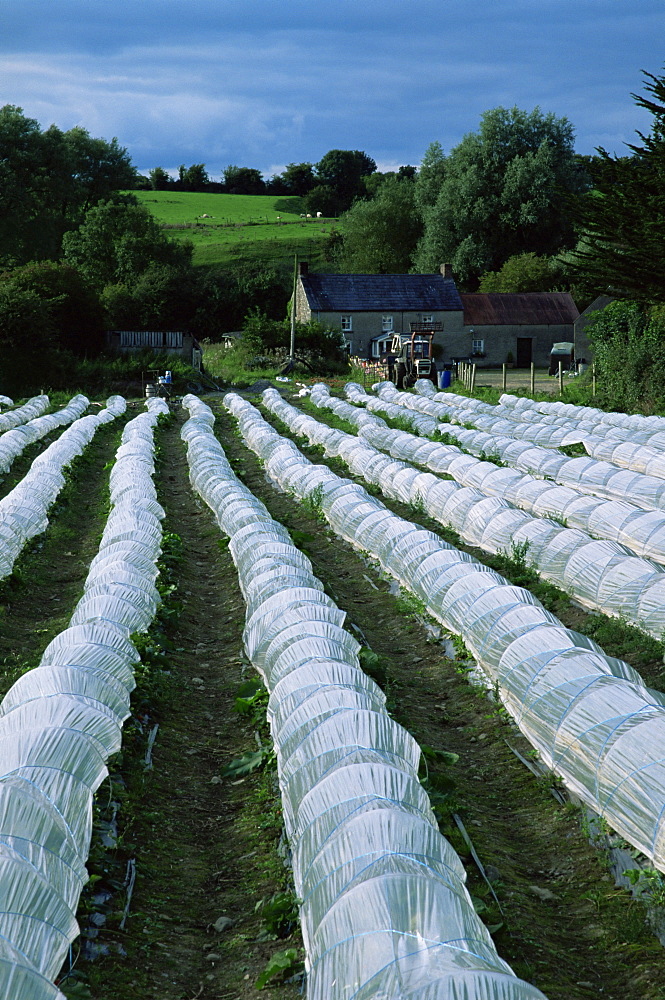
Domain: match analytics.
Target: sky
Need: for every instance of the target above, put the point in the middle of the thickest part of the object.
(263, 83)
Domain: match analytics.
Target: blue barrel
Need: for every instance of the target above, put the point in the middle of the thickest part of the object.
(444, 380)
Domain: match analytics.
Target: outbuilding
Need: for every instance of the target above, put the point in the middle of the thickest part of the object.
(517, 328)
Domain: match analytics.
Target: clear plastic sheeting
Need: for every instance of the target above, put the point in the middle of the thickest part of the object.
(590, 716)
(481, 506)
(635, 428)
(22, 414)
(586, 475)
(14, 441)
(569, 424)
(383, 895)
(646, 459)
(60, 722)
(23, 511)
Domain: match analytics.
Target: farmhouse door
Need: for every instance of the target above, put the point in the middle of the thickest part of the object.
(524, 355)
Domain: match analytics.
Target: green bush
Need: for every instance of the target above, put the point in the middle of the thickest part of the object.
(629, 345)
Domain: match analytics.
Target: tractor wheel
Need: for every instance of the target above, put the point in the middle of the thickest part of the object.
(401, 375)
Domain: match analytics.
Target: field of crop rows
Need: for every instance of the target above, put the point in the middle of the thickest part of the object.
(324, 519)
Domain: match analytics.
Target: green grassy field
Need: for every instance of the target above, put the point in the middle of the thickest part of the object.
(240, 229)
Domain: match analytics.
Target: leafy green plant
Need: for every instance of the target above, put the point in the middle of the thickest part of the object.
(75, 989)
(650, 884)
(418, 504)
(279, 913)
(374, 665)
(313, 502)
(518, 552)
(443, 756)
(281, 964)
(251, 701)
(242, 766)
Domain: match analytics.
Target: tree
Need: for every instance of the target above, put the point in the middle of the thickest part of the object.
(430, 176)
(622, 251)
(324, 199)
(629, 353)
(297, 179)
(159, 179)
(48, 180)
(379, 236)
(243, 180)
(321, 347)
(76, 319)
(526, 272)
(26, 323)
(162, 297)
(118, 242)
(97, 169)
(194, 178)
(341, 171)
(505, 190)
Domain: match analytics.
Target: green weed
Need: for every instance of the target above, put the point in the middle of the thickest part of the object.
(313, 502)
(279, 914)
(374, 665)
(281, 964)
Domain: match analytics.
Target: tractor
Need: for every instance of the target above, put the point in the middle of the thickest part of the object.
(413, 355)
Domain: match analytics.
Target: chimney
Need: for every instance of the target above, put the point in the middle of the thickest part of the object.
(303, 267)
(446, 270)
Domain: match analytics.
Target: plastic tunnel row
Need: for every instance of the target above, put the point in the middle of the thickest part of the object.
(23, 511)
(551, 424)
(631, 442)
(586, 474)
(600, 574)
(589, 715)
(13, 418)
(15, 441)
(633, 449)
(384, 908)
(481, 506)
(60, 722)
(649, 430)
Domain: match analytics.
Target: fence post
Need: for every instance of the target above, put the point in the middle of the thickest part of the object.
(593, 379)
(533, 379)
(561, 378)
(473, 377)
(504, 375)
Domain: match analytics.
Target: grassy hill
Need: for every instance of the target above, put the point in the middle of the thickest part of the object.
(232, 229)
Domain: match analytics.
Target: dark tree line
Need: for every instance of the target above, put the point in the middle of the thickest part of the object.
(329, 186)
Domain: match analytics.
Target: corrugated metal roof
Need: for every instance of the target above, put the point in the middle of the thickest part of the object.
(380, 292)
(525, 309)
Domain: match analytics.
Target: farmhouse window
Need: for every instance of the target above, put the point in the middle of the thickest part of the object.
(477, 346)
(387, 324)
(347, 324)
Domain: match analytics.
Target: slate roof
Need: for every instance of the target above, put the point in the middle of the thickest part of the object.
(527, 309)
(380, 292)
